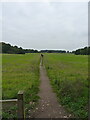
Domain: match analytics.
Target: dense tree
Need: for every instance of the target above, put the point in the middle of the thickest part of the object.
(7, 48)
(82, 51)
(53, 51)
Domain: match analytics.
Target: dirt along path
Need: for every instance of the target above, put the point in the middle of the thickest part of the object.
(48, 106)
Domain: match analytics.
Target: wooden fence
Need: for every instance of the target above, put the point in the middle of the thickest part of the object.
(20, 104)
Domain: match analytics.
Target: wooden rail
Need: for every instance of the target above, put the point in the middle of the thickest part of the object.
(20, 104)
(6, 101)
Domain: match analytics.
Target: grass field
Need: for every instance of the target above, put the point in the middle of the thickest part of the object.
(68, 74)
(20, 72)
(69, 77)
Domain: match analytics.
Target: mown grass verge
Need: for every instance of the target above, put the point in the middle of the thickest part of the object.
(69, 77)
(20, 72)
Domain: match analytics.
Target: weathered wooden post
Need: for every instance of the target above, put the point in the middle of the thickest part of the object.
(20, 104)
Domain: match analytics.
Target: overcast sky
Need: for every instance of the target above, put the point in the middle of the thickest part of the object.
(45, 25)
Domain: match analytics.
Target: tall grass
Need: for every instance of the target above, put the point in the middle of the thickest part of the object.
(20, 72)
(69, 77)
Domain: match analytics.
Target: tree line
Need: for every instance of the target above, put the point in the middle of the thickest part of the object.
(53, 51)
(82, 51)
(7, 48)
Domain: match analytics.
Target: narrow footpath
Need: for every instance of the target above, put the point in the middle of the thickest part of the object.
(48, 106)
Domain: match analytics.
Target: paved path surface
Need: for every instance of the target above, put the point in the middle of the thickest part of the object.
(48, 106)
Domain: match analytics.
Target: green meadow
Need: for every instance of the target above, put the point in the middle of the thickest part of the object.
(68, 74)
(20, 72)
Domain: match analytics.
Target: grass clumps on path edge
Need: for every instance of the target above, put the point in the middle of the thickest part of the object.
(69, 78)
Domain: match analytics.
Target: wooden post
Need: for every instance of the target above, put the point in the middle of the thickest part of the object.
(20, 104)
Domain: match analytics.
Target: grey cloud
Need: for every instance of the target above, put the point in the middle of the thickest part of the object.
(46, 25)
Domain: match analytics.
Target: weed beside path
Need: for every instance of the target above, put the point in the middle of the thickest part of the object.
(69, 77)
(48, 106)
